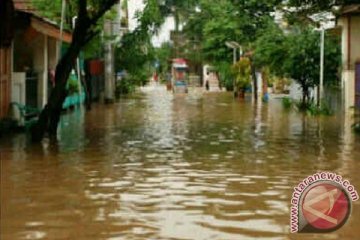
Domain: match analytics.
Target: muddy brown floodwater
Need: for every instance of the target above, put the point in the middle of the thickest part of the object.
(158, 166)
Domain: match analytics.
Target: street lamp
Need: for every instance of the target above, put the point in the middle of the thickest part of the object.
(234, 45)
(326, 22)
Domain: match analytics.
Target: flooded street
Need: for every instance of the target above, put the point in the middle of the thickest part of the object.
(159, 166)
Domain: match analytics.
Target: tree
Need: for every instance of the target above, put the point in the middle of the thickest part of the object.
(227, 20)
(316, 6)
(296, 55)
(300, 11)
(179, 9)
(88, 14)
(271, 49)
(163, 55)
(242, 72)
(136, 52)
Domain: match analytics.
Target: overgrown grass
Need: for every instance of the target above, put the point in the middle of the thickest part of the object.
(314, 110)
(287, 103)
(310, 108)
(124, 87)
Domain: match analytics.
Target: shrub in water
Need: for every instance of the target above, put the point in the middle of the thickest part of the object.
(356, 127)
(287, 103)
(313, 109)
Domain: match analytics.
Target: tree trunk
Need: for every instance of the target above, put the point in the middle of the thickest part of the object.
(242, 93)
(50, 116)
(83, 33)
(305, 96)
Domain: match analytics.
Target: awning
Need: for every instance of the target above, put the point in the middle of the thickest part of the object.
(350, 9)
(179, 63)
(49, 29)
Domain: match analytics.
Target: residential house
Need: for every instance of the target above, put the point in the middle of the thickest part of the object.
(349, 21)
(35, 51)
(30, 48)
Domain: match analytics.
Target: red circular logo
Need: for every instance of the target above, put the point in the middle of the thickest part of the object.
(326, 206)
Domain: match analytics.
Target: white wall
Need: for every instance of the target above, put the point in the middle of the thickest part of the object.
(348, 81)
(348, 75)
(296, 91)
(40, 61)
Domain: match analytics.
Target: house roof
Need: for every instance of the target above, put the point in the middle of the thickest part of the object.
(49, 29)
(350, 9)
(24, 6)
(39, 23)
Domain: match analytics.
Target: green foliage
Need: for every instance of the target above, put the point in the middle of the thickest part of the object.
(93, 49)
(356, 127)
(316, 6)
(52, 10)
(220, 26)
(180, 9)
(242, 73)
(296, 55)
(313, 109)
(271, 49)
(313, 12)
(72, 86)
(287, 103)
(136, 53)
(124, 87)
(226, 75)
(310, 108)
(163, 55)
(227, 20)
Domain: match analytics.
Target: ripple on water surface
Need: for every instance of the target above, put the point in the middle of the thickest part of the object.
(159, 166)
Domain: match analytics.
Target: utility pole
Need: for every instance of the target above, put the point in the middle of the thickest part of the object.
(112, 30)
(234, 56)
(63, 9)
(321, 84)
(109, 63)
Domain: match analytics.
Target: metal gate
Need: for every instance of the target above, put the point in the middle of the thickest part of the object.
(357, 85)
(31, 89)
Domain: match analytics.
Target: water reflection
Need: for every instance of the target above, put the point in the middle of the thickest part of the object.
(159, 166)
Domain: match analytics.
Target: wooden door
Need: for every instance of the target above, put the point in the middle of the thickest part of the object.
(357, 85)
(4, 81)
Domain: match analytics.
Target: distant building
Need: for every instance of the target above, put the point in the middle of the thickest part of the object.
(349, 21)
